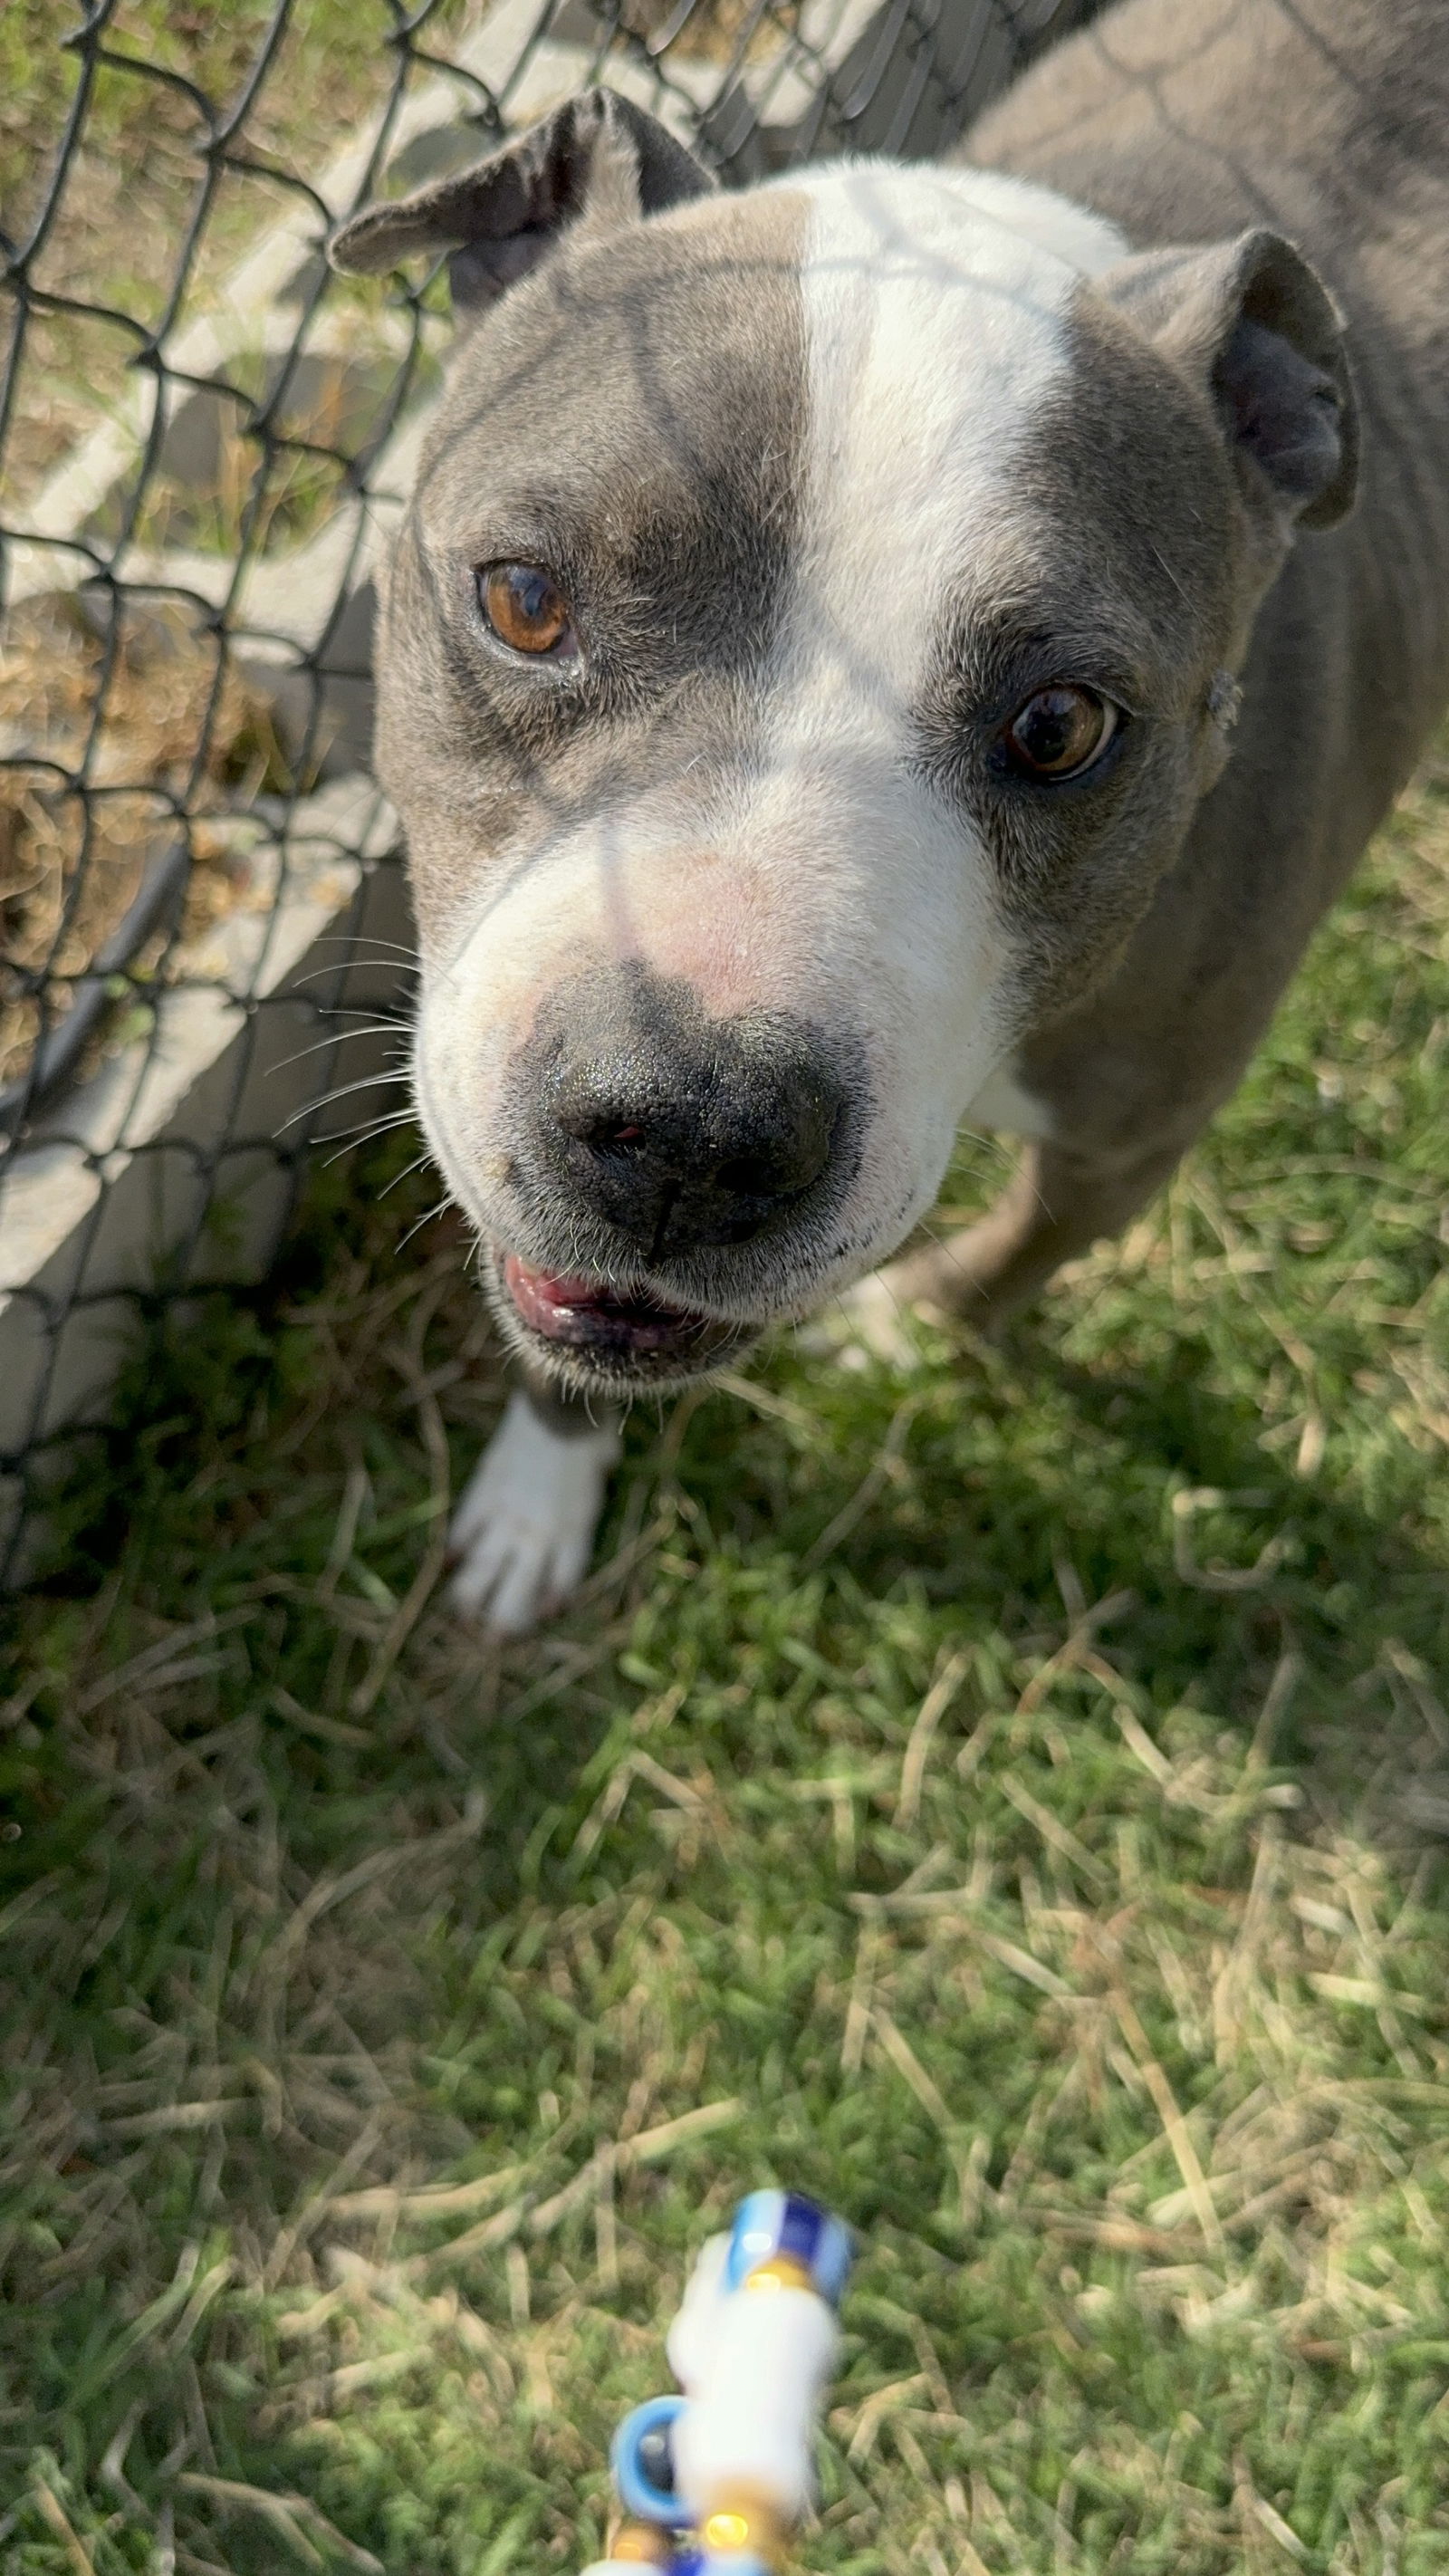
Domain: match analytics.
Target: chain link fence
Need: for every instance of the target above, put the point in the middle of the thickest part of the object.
(204, 439)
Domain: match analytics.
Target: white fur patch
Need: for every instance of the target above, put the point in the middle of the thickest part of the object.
(524, 1529)
(936, 329)
(1087, 243)
(936, 307)
(1006, 1104)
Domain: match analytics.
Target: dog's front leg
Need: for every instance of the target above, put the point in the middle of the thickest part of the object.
(1057, 1206)
(523, 1532)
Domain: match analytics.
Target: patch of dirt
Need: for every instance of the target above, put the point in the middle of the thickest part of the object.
(108, 749)
(713, 29)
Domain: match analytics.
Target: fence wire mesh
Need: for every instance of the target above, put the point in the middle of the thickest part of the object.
(204, 437)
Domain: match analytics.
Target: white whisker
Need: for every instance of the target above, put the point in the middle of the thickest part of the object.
(392, 947)
(369, 1082)
(373, 1029)
(349, 1139)
(407, 1171)
(445, 1202)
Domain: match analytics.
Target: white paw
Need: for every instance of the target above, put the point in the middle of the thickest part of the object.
(871, 1319)
(524, 1530)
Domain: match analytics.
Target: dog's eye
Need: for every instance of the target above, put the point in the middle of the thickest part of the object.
(526, 608)
(1060, 732)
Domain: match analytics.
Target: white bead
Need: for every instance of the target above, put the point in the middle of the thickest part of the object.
(691, 2339)
(754, 2403)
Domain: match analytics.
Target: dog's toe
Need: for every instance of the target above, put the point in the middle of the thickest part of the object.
(957, 1278)
(874, 1319)
(524, 1530)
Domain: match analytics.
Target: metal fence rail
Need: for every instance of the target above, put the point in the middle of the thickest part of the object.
(203, 438)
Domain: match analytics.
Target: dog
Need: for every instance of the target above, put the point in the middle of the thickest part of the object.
(889, 646)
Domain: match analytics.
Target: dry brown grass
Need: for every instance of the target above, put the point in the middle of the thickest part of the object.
(117, 749)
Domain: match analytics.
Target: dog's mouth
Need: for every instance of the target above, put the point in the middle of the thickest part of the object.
(621, 1334)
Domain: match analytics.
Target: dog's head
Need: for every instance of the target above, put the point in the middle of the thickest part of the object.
(809, 638)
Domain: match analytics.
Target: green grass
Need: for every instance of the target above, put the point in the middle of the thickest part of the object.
(1067, 1913)
(134, 173)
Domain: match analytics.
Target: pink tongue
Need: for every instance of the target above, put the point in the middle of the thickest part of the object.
(543, 1298)
(589, 1315)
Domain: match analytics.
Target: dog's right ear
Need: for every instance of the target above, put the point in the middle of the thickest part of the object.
(598, 162)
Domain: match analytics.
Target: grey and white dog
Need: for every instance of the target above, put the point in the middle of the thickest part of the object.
(890, 646)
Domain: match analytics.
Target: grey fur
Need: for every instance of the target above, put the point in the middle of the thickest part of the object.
(502, 215)
(667, 498)
(1327, 120)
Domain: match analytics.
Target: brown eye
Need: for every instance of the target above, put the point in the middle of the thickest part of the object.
(1060, 732)
(525, 608)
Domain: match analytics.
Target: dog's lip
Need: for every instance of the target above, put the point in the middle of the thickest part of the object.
(599, 1318)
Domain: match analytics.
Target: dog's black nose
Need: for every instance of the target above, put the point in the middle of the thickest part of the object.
(683, 1131)
(711, 1165)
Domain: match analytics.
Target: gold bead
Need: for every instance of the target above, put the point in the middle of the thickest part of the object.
(782, 2272)
(642, 2544)
(745, 2522)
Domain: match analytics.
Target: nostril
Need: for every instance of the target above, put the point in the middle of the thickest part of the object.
(603, 1133)
(687, 1150)
(786, 1158)
(752, 1176)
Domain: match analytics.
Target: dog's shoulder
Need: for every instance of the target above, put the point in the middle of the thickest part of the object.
(1189, 119)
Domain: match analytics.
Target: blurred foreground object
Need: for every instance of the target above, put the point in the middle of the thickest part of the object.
(713, 2482)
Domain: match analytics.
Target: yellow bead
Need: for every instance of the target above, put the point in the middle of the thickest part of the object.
(782, 2272)
(726, 2531)
(639, 2543)
(745, 2522)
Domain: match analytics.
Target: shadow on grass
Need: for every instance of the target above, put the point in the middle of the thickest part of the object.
(978, 1487)
(1025, 1472)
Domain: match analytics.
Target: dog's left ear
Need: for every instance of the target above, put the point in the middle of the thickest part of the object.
(598, 160)
(1251, 322)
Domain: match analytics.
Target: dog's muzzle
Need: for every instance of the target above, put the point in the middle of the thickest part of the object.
(669, 1151)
